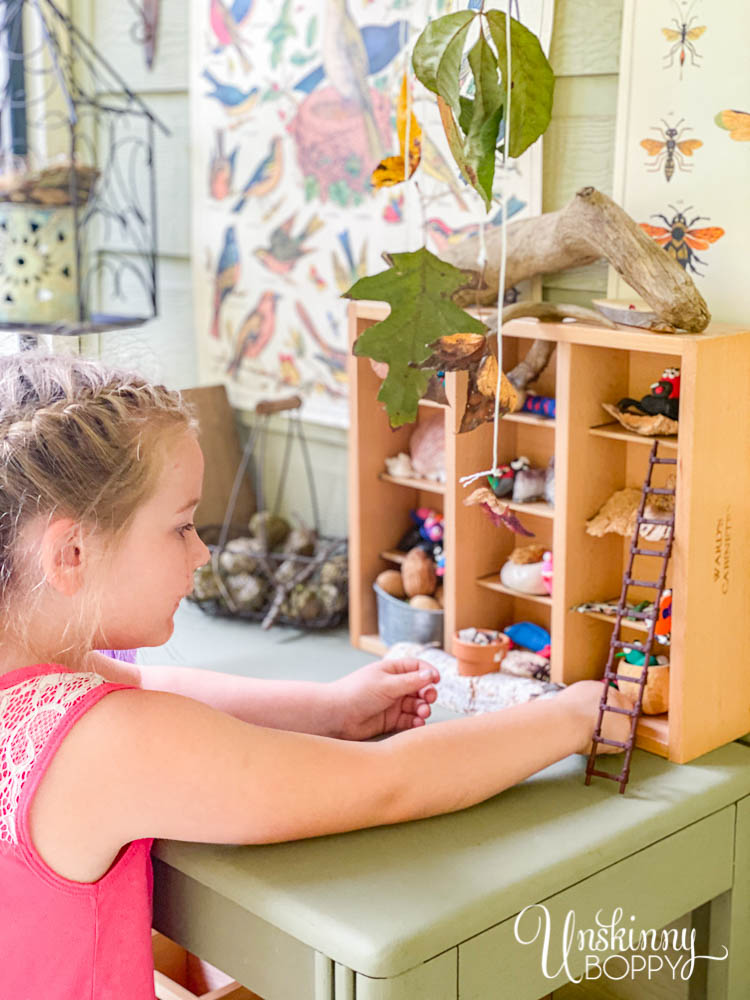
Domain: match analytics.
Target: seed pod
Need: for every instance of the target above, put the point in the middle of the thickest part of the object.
(418, 573)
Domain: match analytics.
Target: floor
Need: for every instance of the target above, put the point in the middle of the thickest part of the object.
(200, 640)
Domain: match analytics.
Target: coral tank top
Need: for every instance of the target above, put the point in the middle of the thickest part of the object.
(59, 939)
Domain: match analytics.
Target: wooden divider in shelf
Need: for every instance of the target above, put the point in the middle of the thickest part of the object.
(593, 460)
(536, 508)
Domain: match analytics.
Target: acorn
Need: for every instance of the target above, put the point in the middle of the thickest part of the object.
(240, 555)
(335, 570)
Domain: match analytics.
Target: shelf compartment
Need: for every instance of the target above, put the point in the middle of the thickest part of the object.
(425, 485)
(636, 626)
(529, 418)
(491, 582)
(616, 432)
(652, 734)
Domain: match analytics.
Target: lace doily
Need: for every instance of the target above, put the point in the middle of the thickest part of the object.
(29, 713)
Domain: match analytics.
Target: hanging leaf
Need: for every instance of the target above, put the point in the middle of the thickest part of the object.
(419, 287)
(472, 125)
(486, 113)
(533, 81)
(456, 142)
(391, 169)
(438, 52)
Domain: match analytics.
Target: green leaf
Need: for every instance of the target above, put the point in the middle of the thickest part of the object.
(456, 142)
(487, 110)
(533, 81)
(437, 54)
(467, 113)
(419, 287)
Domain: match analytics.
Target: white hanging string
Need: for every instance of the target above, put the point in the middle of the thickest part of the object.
(466, 480)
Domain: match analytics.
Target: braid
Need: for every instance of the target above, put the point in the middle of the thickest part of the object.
(79, 438)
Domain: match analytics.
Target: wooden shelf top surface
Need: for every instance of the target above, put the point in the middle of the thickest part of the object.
(617, 432)
(626, 337)
(636, 626)
(491, 582)
(529, 418)
(426, 485)
(537, 508)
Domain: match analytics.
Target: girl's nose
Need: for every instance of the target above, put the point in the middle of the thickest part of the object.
(202, 553)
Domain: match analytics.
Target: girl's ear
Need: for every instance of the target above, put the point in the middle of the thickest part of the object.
(62, 556)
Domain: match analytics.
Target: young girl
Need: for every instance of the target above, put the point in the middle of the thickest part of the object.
(100, 473)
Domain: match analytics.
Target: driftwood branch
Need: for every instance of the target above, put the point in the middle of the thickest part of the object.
(591, 226)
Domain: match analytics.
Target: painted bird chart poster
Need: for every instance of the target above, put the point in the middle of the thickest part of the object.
(683, 143)
(293, 104)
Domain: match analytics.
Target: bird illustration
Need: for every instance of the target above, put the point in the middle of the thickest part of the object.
(279, 32)
(288, 371)
(285, 250)
(316, 278)
(227, 275)
(394, 210)
(226, 30)
(255, 332)
(332, 356)
(235, 102)
(221, 169)
(265, 177)
(444, 237)
(347, 274)
(382, 42)
(346, 64)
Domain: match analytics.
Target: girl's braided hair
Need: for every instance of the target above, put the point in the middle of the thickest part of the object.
(77, 439)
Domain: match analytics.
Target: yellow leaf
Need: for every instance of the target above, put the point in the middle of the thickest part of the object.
(391, 170)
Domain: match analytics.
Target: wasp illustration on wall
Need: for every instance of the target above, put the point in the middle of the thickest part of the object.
(671, 149)
(681, 38)
(680, 239)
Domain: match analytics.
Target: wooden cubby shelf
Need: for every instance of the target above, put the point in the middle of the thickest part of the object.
(425, 485)
(709, 702)
(492, 582)
(636, 626)
(616, 432)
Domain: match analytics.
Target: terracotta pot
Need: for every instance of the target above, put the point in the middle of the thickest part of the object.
(475, 659)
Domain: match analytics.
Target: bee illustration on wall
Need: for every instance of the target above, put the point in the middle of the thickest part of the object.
(681, 240)
(737, 123)
(681, 38)
(671, 149)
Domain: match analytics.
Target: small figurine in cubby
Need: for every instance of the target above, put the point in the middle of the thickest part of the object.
(540, 406)
(664, 397)
(524, 570)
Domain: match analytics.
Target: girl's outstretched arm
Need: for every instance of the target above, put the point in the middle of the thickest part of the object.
(152, 764)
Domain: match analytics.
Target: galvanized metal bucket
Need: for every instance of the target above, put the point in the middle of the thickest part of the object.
(398, 622)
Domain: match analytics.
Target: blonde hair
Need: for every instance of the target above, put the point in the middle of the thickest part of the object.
(78, 439)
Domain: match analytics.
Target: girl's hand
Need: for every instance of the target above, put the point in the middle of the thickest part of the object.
(584, 698)
(384, 696)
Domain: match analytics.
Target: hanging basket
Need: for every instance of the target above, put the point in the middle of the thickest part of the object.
(270, 571)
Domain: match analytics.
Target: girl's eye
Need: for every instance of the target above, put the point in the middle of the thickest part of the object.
(185, 528)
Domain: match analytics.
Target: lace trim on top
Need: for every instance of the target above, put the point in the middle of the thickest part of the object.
(29, 713)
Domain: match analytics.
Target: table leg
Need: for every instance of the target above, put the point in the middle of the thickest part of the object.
(724, 922)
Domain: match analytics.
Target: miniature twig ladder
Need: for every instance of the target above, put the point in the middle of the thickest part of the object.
(616, 642)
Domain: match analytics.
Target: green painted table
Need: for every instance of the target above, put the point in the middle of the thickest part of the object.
(426, 910)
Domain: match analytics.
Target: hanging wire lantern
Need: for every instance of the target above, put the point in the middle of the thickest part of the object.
(77, 182)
